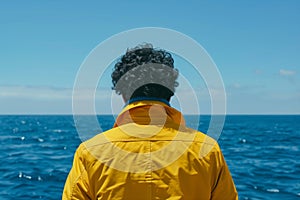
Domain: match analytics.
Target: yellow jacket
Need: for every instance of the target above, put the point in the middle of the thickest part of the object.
(149, 154)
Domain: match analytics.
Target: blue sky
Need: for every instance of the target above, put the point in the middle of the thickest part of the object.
(255, 45)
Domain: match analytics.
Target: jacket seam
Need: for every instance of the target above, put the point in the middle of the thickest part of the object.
(206, 143)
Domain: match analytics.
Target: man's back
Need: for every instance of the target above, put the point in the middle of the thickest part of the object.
(150, 154)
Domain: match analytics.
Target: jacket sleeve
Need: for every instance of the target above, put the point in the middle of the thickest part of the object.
(224, 186)
(77, 184)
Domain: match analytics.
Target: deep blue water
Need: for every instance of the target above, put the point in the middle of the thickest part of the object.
(262, 152)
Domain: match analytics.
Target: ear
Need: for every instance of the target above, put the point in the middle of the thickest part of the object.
(124, 99)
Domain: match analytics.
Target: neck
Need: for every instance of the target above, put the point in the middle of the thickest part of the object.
(149, 99)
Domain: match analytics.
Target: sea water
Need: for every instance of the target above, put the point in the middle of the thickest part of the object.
(262, 152)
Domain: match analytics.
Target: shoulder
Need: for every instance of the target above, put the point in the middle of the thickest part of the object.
(100, 139)
(206, 145)
(83, 150)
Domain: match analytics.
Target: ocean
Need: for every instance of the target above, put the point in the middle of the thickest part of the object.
(262, 152)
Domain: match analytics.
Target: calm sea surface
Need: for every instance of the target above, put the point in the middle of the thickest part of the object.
(262, 152)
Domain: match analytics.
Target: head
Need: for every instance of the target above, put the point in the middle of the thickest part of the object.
(145, 72)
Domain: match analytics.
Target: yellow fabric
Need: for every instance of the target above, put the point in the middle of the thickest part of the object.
(149, 154)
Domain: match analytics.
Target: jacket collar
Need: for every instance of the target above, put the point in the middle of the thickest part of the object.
(150, 112)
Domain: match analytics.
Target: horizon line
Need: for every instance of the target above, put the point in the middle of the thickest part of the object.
(87, 114)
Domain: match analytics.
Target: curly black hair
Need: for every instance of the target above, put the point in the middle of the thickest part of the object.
(165, 79)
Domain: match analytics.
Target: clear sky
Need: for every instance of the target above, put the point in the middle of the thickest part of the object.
(255, 44)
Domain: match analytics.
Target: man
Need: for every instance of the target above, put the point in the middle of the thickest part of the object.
(150, 153)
